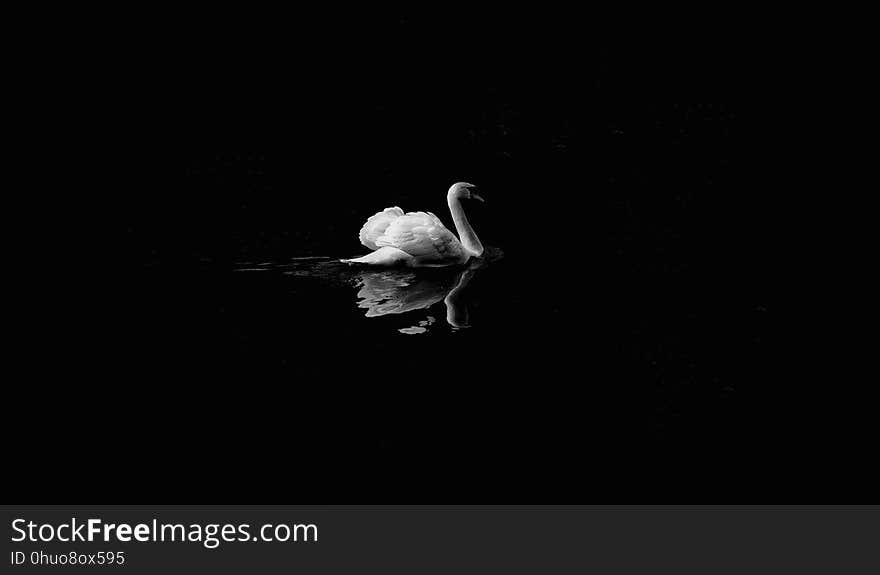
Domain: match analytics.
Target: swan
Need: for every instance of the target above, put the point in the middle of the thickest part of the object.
(419, 239)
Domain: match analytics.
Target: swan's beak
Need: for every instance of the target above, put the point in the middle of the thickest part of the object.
(477, 196)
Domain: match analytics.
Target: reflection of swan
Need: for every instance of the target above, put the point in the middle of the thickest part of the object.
(396, 292)
(419, 239)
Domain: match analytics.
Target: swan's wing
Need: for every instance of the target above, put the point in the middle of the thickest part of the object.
(421, 235)
(376, 226)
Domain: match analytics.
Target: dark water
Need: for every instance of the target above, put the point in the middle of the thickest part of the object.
(525, 360)
(605, 337)
(607, 334)
(614, 332)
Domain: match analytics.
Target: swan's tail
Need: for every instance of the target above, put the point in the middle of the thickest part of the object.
(355, 261)
(385, 256)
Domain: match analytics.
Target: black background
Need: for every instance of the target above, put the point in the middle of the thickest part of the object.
(619, 174)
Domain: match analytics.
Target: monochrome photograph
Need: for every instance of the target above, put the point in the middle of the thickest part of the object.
(467, 255)
(337, 266)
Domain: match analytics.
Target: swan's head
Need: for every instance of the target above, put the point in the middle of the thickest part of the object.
(463, 191)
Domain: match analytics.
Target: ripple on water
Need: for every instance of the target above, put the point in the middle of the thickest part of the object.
(412, 330)
(388, 292)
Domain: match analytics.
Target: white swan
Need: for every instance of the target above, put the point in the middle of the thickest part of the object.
(419, 239)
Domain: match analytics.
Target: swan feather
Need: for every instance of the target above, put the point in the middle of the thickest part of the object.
(423, 236)
(376, 225)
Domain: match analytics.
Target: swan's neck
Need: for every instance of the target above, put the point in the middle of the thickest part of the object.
(466, 234)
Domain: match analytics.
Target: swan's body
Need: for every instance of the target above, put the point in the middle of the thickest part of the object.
(419, 239)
